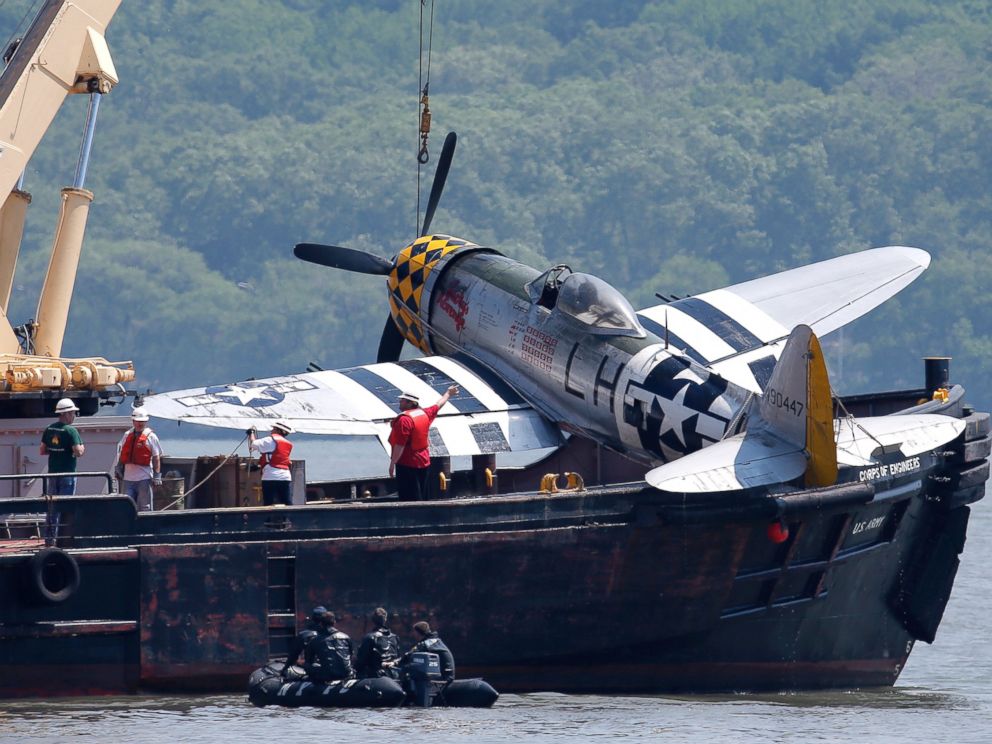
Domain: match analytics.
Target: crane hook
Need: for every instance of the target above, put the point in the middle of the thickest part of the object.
(425, 128)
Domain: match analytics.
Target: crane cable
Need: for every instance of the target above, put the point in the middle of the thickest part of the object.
(423, 97)
(209, 475)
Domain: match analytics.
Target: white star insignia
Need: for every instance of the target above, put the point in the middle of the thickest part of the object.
(675, 413)
(247, 394)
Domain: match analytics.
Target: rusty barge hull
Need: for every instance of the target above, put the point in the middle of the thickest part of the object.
(614, 589)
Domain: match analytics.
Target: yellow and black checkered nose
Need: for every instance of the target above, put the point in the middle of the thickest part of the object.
(406, 282)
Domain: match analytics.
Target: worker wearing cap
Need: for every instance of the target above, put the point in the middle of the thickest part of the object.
(277, 479)
(410, 459)
(63, 445)
(139, 460)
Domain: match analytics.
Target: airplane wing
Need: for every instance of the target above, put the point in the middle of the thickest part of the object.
(739, 331)
(487, 416)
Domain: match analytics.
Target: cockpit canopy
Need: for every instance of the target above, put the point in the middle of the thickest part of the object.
(587, 299)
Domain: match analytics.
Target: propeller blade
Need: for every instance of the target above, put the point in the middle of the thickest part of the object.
(440, 176)
(337, 257)
(390, 344)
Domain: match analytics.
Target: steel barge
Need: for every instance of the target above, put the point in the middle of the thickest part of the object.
(607, 588)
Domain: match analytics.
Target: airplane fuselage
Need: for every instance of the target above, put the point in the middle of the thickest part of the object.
(617, 385)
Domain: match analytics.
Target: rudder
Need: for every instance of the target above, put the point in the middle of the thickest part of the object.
(797, 406)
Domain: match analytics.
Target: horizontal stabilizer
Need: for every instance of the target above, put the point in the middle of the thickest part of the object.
(859, 440)
(732, 465)
(485, 417)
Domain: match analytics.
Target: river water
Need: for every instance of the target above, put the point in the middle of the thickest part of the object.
(943, 696)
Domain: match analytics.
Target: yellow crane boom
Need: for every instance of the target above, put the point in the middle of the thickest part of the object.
(62, 53)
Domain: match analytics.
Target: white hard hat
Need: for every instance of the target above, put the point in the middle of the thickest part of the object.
(282, 425)
(139, 414)
(65, 406)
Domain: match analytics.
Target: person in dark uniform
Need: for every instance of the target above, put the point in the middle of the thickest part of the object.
(428, 640)
(304, 637)
(328, 655)
(378, 650)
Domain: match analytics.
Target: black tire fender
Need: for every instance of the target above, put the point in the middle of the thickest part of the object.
(53, 575)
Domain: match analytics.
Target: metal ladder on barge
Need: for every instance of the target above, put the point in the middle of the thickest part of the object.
(282, 603)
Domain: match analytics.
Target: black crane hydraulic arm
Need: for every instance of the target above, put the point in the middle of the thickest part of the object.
(63, 52)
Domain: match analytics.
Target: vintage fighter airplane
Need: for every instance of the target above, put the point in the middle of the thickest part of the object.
(721, 391)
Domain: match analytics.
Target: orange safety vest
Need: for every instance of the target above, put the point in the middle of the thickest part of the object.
(419, 438)
(135, 449)
(279, 458)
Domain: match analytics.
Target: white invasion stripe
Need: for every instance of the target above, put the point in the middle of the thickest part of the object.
(360, 398)
(456, 435)
(756, 320)
(473, 384)
(736, 371)
(736, 368)
(408, 382)
(698, 336)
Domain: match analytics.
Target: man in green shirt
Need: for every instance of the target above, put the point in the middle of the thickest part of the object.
(63, 445)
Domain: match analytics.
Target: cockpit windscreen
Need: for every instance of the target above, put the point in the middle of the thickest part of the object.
(596, 304)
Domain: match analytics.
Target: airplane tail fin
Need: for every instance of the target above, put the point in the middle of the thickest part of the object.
(790, 432)
(798, 408)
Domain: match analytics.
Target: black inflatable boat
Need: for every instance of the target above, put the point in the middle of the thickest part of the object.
(266, 686)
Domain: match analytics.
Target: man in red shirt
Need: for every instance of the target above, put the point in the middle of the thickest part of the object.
(410, 460)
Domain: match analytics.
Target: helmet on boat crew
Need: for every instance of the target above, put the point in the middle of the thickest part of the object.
(65, 406)
(282, 426)
(317, 613)
(139, 414)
